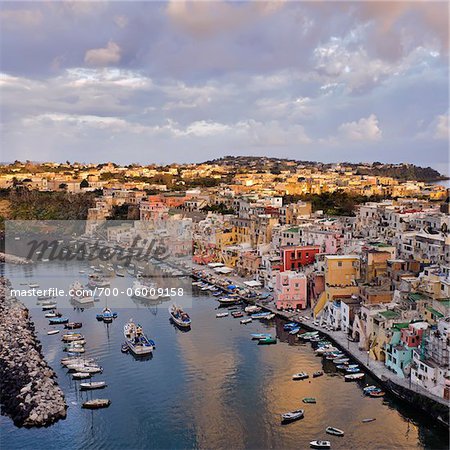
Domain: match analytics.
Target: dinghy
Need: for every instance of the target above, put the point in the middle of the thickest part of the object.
(292, 415)
(93, 385)
(334, 431)
(53, 332)
(354, 376)
(97, 403)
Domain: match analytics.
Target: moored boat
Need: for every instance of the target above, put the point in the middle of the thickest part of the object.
(68, 337)
(53, 332)
(137, 341)
(320, 444)
(292, 415)
(49, 306)
(317, 374)
(228, 300)
(334, 431)
(124, 348)
(58, 320)
(354, 376)
(81, 375)
(377, 393)
(245, 321)
(223, 314)
(372, 419)
(73, 325)
(309, 400)
(300, 376)
(260, 315)
(93, 385)
(257, 336)
(179, 317)
(237, 314)
(97, 403)
(267, 341)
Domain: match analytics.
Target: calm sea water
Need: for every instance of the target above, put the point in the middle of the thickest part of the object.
(211, 387)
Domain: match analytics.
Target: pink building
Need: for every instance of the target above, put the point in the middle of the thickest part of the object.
(290, 290)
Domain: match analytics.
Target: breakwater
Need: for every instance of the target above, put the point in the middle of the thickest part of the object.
(29, 393)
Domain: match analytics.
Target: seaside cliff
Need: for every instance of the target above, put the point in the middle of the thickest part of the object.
(29, 393)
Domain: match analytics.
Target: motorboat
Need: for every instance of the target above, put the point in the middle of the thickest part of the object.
(223, 314)
(252, 309)
(269, 317)
(77, 360)
(376, 393)
(106, 315)
(320, 444)
(300, 376)
(334, 431)
(72, 337)
(144, 292)
(245, 321)
(81, 375)
(179, 317)
(97, 403)
(96, 280)
(80, 294)
(258, 336)
(367, 389)
(289, 326)
(352, 370)
(53, 332)
(317, 374)
(73, 325)
(267, 341)
(49, 306)
(260, 315)
(58, 320)
(294, 330)
(228, 300)
(93, 385)
(237, 314)
(137, 341)
(291, 416)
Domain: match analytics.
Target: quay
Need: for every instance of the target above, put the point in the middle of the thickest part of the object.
(402, 389)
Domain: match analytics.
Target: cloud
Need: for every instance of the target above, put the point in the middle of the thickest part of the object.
(365, 129)
(11, 18)
(103, 56)
(442, 127)
(121, 21)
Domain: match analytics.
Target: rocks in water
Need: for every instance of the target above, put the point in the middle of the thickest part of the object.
(29, 392)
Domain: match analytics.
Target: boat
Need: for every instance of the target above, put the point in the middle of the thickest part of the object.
(260, 315)
(300, 376)
(93, 385)
(377, 393)
(368, 420)
(367, 389)
(245, 321)
(77, 359)
(33, 285)
(125, 348)
(320, 444)
(137, 341)
(257, 336)
(294, 330)
(74, 349)
(97, 281)
(49, 306)
(228, 300)
(144, 292)
(81, 375)
(317, 374)
(120, 274)
(237, 314)
(73, 325)
(97, 403)
(44, 297)
(53, 332)
(341, 360)
(309, 335)
(252, 309)
(267, 341)
(354, 376)
(58, 320)
(352, 370)
(89, 369)
(289, 326)
(72, 337)
(223, 314)
(269, 317)
(106, 315)
(50, 315)
(292, 415)
(179, 317)
(334, 431)
(309, 400)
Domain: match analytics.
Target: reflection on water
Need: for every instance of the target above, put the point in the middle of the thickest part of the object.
(208, 387)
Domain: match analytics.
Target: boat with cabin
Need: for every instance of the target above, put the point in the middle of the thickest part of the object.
(137, 341)
(300, 376)
(320, 444)
(179, 317)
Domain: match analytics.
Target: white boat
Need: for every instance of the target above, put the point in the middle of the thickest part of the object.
(144, 292)
(49, 306)
(93, 385)
(33, 285)
(77, 360)
(292, 415)
(81, 375)
(180, 317)
(223, 314)
(97, 281)
(269, 317)
(252, 309)
(244, 321)
(300, 376)
(354, 376)
(53, 332)
(50, 315)
(137, 341)
(320, 444)
(334, 431)
(72, 337)
(86, 369)
(80, 294)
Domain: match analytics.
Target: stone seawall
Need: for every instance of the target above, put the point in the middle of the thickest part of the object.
(29, 393)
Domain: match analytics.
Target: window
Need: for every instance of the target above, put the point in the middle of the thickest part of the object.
(340, 264)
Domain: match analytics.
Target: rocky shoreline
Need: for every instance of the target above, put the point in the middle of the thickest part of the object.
(29, 393)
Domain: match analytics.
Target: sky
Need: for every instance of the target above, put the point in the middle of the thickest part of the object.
(163, 82)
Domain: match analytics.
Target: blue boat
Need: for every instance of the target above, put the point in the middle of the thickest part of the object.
(260, 315)
(107, 315)
(138, 343)
(289, 326)
(58, 320)
(258, 336)
(294, 330)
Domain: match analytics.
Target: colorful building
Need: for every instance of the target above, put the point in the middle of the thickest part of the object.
(290, 290)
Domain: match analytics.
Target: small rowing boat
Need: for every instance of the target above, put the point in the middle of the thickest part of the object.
(334, 431)
(309, 400)
(377, 393)
(368, 420)
(223, 314)
(237, 314)
(97, 403)
(319, 373)
(244, 321)
(354, 376)
(81, 375)
(93, 385)
(267, 341)
(53, 332)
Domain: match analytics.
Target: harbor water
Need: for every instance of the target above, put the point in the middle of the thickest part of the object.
(211, 387)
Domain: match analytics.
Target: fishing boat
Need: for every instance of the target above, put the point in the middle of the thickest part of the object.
(237, 314)
(292, 415)
(97, 403)
(58, 320)
(334, 431)
(252, 309)
(300, 376)
(267, 341)
(368, 420)
(258, 336)
(137, 341)
(317, 374)
(93, 385)
(245, 321)
(354, 376)
(106, 315)
(320, 444)
(125, 348)
(53, 332)
(223, 314)
(50, 315)
(179, 317)
(81, 375)
(377, 393)
(73, 325)
(309, 400)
